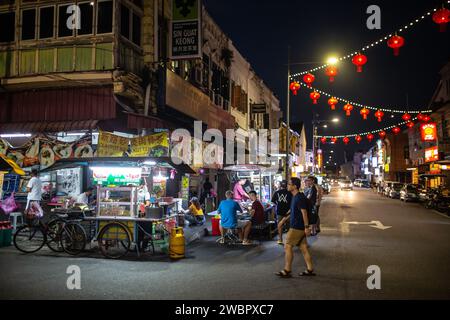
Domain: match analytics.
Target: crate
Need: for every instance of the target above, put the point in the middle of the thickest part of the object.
(5, 237)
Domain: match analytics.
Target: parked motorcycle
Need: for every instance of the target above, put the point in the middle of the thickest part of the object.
(436, 200)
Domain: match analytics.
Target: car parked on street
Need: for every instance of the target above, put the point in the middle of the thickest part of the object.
(394, 191)
(410, 192)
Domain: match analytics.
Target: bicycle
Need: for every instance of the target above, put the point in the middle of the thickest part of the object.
(31, 237)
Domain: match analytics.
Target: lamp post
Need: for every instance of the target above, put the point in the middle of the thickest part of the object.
(316, 143)
(330, 61)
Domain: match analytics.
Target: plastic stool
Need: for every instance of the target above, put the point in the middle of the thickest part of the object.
(14, 217)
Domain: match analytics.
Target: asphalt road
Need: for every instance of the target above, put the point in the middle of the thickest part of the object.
(413, 257)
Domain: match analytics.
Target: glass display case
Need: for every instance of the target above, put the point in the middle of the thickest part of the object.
(117, 202)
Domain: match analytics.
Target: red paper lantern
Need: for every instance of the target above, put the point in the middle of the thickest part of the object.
(295, 86)
(334, 140)
(420, 117)
(359, 61)
(314, 96)
(346, 140)
(406, 117)
(364, 112)
(333, 102)
(382, 134)
(396, 42)
(379, 115)
(442, 17)
(323, 140)
(331, 72)
(309, 79)
(410, 124)
(370, 137)
(358, 139)
(348, 109)
(396, 130)
(426, 118)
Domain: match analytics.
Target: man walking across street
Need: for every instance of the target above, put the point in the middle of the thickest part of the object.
(282, 199)
(298, 232)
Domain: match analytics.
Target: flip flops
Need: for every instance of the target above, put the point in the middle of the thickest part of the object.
(307, 273)
(280, 242)
(284, 274)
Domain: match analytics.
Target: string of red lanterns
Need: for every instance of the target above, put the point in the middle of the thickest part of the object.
(440, 16)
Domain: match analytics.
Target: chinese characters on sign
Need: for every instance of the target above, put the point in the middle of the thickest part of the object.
(185, 42)
(429, 132)
(432, 154)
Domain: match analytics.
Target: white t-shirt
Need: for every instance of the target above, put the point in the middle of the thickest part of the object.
(83, 198)
(36, 189)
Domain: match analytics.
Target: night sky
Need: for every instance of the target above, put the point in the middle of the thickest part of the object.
(262, 30)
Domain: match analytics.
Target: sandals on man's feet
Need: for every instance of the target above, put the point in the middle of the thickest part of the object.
(280, 242)
(284, 274)
(307, 273)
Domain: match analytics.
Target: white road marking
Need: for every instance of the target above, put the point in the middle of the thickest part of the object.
(372, 224)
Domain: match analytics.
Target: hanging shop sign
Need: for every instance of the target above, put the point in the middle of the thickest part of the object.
(116, 176)
(415, 176)
(155, 145)
(185, 32)
(111, 145)
(432, 154)
(435, 169)
(428, 132)
(45, 151)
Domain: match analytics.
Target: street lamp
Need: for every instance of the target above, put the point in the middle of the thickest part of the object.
(316, 122)
(331, 61)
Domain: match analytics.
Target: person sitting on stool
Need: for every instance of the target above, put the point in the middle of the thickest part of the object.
(195, 214)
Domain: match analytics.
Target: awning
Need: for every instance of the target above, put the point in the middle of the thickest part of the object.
(119, 162)
(432, 176)
(139, 121)
(251, 167)
(9, 165)
(36, 127)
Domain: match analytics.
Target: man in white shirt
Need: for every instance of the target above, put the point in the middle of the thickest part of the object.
(84, 197)
(34, 189)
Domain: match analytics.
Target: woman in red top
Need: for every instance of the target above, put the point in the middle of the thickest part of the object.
(239, 192)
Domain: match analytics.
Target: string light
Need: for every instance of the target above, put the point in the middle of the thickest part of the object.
(375, 43)
(367, 133)
(364, 106)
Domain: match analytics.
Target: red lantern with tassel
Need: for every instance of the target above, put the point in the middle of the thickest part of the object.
(396, 130)
(314, 96)
(406, 117)
(379, 115)
(295, 86)
(370, 137)
(309, 79)
(382, 134)
(420, 117)
(346, 140)
(348, 109)
(442, 17)
(334, 140)
(333, 102)
(364, 112)
(426, 118)
(331, 72)
(323, 140)
(410, 124)
(358, 139)
(396, 42)
(359, 61)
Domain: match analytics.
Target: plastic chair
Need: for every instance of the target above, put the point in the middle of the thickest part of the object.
(14, 216)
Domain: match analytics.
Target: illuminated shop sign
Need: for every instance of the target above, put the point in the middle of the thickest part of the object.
(431, 154)
(429, 132)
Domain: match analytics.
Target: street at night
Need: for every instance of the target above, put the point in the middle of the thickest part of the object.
(224, 158)
(409, 254)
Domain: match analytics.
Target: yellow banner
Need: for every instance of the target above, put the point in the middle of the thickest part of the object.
(110, 145)
(155, 145)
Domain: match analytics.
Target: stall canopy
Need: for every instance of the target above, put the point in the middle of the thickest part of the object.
(119, 162)
(252, 167)
(9, 165)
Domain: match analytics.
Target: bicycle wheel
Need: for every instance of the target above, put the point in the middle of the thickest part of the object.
(114, 240)
(54, 229)
(73, 238)
(29, 239)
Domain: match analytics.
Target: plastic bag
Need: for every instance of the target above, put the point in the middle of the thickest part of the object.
(9, 204)
(35, 210)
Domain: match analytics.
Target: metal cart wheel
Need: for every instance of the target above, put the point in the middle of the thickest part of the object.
(73, 238)
(114, 240)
